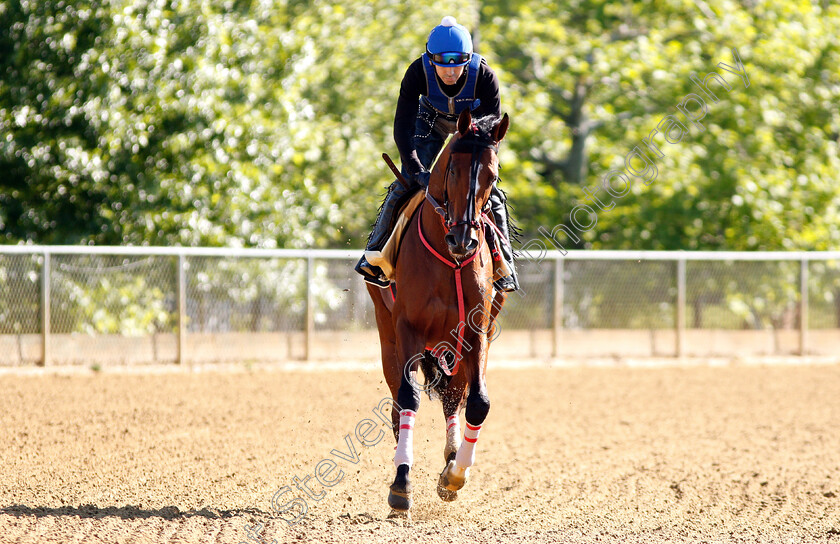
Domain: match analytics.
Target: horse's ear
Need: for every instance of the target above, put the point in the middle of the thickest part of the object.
(464, 121)
(501, 129)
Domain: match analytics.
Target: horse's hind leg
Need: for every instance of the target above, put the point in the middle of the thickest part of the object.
(452, 400)
(454, 476)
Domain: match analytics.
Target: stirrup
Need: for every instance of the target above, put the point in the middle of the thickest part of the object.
(506, 284)
(378, 281)
(371, 273)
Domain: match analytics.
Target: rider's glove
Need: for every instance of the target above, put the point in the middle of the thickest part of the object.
(421, 178)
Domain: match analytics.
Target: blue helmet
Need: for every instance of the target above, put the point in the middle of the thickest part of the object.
(449, 44)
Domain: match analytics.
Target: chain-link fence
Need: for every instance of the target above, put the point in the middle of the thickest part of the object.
(109, 306)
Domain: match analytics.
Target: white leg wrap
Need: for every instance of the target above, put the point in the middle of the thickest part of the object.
(405, 444)
(466, 453)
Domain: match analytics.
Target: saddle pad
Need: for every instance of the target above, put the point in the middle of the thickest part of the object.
(386, 259)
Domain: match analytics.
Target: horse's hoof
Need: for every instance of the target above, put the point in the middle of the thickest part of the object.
(399, 501)
(451, 480)
(399, 497)
(444, 493)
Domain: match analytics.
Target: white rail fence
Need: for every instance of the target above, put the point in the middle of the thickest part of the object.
(64, 305)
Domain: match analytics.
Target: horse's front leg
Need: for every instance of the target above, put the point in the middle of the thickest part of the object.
(454, 476)
(408, 398)
(391, 367)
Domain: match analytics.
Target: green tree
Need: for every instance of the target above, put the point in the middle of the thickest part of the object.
(160, 122)
(260, 124)
(587, 81)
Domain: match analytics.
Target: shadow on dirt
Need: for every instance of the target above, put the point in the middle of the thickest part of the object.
(126, 512)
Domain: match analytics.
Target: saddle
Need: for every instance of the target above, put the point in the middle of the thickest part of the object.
(386, 259)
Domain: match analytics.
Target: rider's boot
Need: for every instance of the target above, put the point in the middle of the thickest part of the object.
(499, 209)
(381, 231)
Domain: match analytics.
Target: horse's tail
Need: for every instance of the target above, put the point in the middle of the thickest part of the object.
(436, 380)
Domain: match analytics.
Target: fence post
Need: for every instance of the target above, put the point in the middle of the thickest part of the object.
(803, 306)
(557, 315)
(680, 321)
(310, 316)
(45, 310)
(182, 308)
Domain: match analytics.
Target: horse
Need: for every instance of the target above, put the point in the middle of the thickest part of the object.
(443, 309)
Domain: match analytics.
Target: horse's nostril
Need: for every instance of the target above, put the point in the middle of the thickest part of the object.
(450, 240)
(473, 243)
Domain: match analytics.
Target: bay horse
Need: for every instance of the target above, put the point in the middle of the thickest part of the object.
(444, 306)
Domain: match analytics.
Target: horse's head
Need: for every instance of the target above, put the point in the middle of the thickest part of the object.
(471, 170)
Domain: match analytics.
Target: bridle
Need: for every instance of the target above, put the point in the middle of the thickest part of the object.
(475, 148)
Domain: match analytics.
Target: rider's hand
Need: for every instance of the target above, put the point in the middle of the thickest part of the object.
(421, 178)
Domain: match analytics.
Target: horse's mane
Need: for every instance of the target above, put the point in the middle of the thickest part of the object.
(484, 131)
(486, 124)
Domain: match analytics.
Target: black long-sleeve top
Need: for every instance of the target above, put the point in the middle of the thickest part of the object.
(414, 84)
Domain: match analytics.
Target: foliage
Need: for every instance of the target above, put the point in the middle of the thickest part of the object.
(208, 123)
(259, 123)
(586, 84)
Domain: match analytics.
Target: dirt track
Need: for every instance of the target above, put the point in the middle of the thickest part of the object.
(738, 454)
